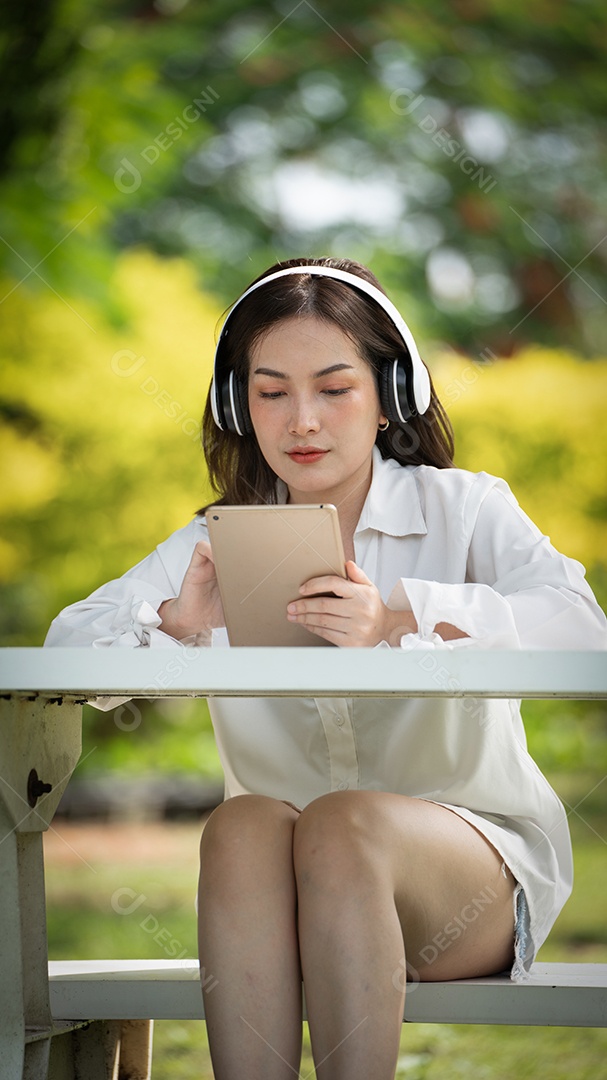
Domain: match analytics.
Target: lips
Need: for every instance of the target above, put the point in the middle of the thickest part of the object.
(306, 455)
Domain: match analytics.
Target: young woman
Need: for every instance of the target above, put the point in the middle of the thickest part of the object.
(361, 841)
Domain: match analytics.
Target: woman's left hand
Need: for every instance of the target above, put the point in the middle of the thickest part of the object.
(355, 616)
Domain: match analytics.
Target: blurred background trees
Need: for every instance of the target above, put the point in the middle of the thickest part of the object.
(156, 156)
(459, 145)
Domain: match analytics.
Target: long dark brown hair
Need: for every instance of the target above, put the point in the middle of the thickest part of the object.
(237, 469)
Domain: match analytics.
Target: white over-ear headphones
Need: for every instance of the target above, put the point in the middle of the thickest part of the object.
(404, 384)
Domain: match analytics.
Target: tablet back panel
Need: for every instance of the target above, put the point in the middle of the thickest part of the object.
(262, 555)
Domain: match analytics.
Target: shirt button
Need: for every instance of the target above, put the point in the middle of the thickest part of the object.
(339, 720)
(344, 785)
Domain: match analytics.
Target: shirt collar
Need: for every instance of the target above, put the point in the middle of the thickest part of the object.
(392, 505)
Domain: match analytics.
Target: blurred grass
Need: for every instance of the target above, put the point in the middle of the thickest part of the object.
(94, 872)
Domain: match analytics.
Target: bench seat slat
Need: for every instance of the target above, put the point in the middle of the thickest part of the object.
(557, 995)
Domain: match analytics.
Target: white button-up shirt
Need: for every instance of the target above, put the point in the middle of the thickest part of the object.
(451, 546)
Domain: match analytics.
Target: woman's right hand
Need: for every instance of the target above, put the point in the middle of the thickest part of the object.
(198, 607)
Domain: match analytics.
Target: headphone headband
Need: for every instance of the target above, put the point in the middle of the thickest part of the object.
(420, 377)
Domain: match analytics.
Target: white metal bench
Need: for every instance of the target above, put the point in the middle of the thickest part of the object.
(90, 1020)
(170, 990)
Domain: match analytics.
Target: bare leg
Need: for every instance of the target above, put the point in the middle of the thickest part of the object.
(378, 873)
(248, 940)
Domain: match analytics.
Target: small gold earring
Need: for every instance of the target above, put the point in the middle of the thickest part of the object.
(384, 426)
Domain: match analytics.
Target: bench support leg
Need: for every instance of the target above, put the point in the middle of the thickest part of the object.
(103, 1050)
(136, 1049)
(25, 1020)
(39, 747)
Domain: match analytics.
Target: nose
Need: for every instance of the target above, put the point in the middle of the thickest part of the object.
(303, 418)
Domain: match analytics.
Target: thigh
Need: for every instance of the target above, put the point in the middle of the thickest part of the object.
(453, 893)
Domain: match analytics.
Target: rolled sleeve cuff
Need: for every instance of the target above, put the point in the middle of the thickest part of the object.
(135, 624)
(476, 610)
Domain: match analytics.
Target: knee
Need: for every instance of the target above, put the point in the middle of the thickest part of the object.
(335, 837)
(240, 826)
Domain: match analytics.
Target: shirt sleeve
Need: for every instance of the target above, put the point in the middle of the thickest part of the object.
(124, 613)
(519, 592)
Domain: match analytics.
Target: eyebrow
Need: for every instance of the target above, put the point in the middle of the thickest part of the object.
(317, 374)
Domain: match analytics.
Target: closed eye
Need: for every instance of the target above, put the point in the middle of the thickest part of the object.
(337, 392)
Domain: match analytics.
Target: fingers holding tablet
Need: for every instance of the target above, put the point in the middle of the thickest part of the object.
(346, 612)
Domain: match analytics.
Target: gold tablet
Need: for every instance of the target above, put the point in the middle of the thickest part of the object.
(262, 555)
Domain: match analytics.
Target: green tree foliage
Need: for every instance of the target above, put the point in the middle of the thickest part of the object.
(458, 145)
(538, 422)
(102, 459)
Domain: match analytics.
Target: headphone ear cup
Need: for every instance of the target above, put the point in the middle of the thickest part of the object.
(242, 400)
(386, 397)
(235, 405)
(396, 392)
